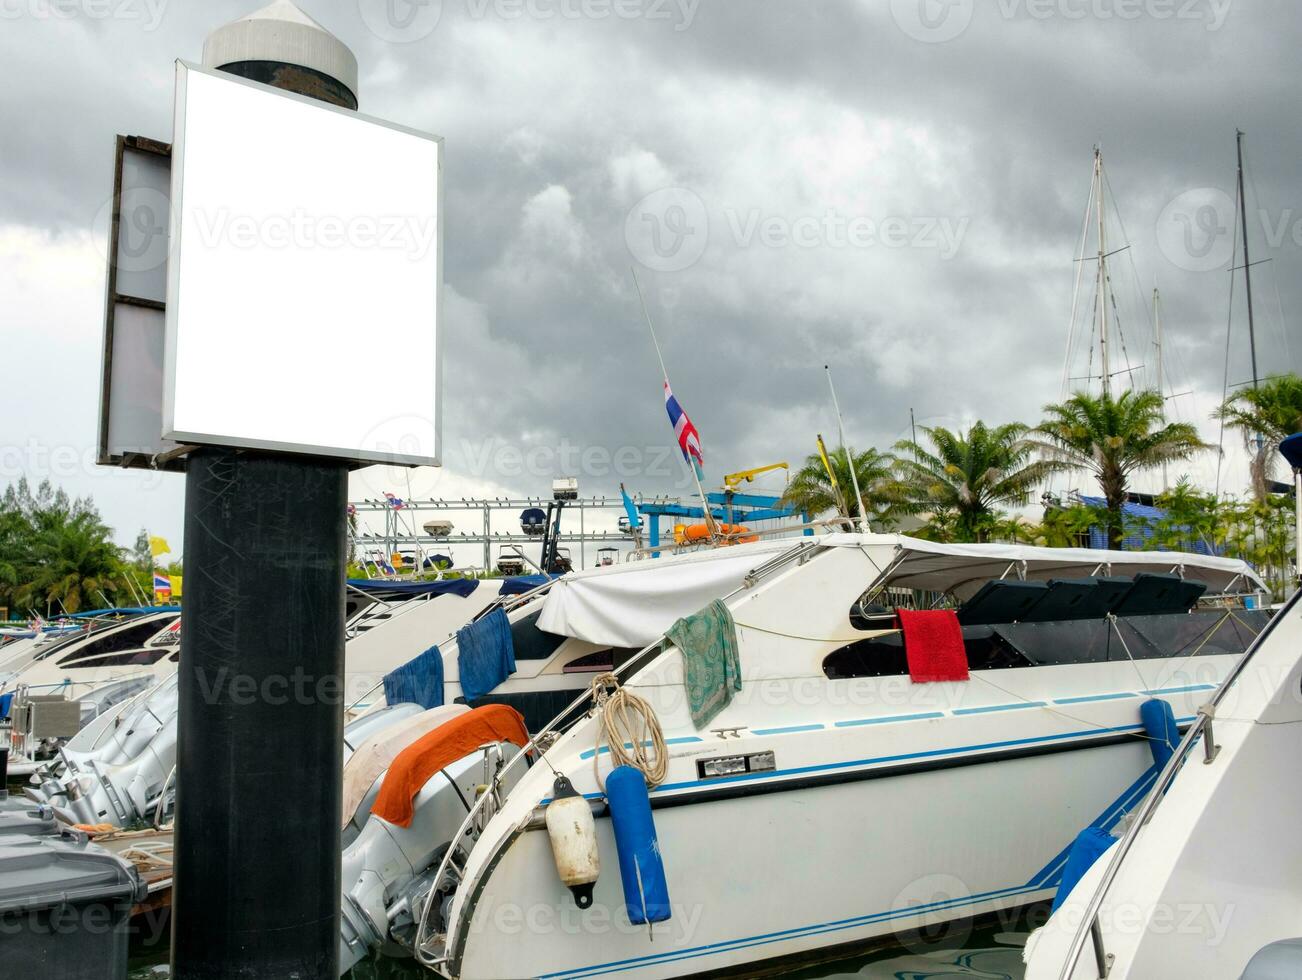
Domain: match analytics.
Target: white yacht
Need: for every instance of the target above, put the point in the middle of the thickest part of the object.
(835, 799)
(1207, 880)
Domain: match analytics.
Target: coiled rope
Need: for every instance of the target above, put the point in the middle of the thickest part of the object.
(629, 726)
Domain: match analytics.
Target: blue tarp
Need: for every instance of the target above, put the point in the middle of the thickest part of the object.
(5, 701)
(485, 654)
(450, 586)
(520, 584)
(1137, 522)
(419, 680)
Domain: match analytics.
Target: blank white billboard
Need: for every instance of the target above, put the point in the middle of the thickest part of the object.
(305, 275)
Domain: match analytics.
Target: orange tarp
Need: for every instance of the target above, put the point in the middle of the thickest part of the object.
(437, 749)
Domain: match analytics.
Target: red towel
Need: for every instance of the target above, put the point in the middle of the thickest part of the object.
(933, 644)
(414, 765)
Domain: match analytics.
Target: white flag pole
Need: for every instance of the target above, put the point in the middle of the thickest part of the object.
(849, 461)
(691, 464)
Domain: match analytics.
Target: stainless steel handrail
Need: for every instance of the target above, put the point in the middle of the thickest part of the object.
(1089, 926)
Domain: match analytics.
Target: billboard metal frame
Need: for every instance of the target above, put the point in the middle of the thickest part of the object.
(103, 455)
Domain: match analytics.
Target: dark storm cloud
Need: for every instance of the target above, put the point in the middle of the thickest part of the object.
(559, 119)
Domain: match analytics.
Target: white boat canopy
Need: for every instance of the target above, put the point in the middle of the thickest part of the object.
(632, 605)
(961, 569)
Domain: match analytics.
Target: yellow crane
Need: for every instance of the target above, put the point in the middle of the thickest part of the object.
(733, 480)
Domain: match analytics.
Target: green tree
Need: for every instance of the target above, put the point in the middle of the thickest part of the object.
(810, 491)
(1189, 518)
(56, 551)
(75, 563)
(1069, 526)
(1112, 437)
(1264, 416)
(961, 478)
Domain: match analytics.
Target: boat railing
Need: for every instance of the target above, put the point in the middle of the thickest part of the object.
(1091, 929)
(505, 603)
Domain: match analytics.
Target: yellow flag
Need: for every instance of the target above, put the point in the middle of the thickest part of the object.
(831, 476)
(176, 586)
(827, 464)
(158, 546)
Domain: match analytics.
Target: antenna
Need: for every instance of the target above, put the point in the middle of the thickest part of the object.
(1102, 274)
(1247, 262)
(849, 460)
(1157, 342)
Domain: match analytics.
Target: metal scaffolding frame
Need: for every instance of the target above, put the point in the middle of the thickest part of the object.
(398, 534)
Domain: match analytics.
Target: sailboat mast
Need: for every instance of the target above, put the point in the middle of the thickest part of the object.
(1247, 263)
(1103, 274)
(1161, 381)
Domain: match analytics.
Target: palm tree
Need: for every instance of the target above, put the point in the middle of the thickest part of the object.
(1112, 437)
(74, 561)
(1265, 416)
(971, 474)
(810, 491)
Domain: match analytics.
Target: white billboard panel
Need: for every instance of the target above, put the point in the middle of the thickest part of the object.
(305, 275)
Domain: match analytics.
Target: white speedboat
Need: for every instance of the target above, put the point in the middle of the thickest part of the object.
(113, 646)
(835, 800)
(1207, 880)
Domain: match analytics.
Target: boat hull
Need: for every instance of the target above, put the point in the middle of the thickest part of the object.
(778, 871)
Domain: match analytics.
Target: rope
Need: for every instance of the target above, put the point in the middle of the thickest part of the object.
(628, 720)
(1124, 646)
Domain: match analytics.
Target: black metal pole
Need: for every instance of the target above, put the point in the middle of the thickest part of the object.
(257, 848)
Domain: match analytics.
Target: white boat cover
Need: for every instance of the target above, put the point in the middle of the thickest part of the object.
(961, 569)
(632, 605)
(374, 755)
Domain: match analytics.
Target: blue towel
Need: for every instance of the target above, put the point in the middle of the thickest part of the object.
(419, 680)
(485, 654)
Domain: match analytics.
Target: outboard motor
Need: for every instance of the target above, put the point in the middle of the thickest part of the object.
(388, 870)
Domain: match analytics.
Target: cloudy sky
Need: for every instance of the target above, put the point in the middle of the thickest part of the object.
(893, 187)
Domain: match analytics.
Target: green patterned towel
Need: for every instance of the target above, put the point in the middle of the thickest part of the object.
(711, 668)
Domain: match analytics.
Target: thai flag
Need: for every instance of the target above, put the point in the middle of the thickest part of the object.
(394, 502)
(162, 584)
(689, 440)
